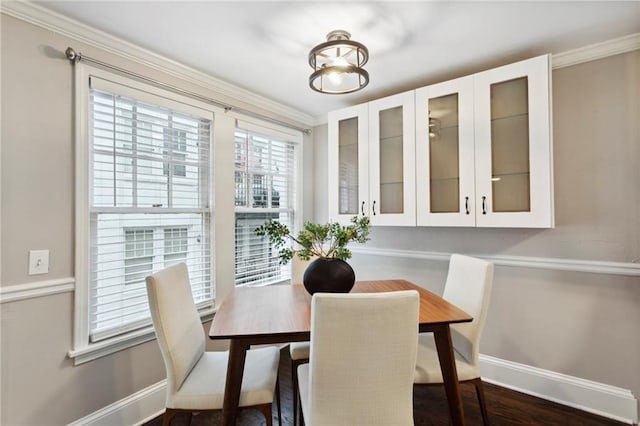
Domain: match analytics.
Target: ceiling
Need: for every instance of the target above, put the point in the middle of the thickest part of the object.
(262, 46)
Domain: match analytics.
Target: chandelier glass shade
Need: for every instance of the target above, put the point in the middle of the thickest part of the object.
(337, 64)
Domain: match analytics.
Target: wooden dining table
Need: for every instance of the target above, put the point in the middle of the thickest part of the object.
(282, 313)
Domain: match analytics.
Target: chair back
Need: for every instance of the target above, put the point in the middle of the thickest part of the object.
(362, 358)
(176, 322)
(468, 286)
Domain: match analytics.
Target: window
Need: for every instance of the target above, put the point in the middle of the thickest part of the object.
(144, 202)
(265, 189)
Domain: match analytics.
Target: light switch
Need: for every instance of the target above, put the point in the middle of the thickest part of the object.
(38, 262)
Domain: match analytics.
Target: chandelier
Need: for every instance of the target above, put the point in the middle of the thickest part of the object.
(337, 64)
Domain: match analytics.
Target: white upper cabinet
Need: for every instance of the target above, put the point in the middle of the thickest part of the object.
(392, 160)
(372, 161)
(445, 178)
(483, 149)
(348, 168)
(475, 151)
(514, 185)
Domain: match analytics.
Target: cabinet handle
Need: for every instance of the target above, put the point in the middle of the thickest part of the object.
(362, 208)
(466, 204)
(484, 207)
(373, 207)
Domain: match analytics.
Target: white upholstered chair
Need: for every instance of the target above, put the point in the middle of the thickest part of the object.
(195, 378)
(468, 286)
(381, 331)
(298, 351)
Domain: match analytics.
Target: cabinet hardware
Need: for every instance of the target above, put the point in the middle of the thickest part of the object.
(466, 204)
(362, 208)
(373, 207)
(484, 207)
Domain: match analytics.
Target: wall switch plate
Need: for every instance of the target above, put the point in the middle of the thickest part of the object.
(38, 262)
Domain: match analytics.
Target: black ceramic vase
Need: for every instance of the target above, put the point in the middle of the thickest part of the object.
(325, 275)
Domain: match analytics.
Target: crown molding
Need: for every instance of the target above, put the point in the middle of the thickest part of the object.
(55, 22)
(596, 51)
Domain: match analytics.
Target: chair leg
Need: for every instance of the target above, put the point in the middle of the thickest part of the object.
(278, 401)
(266, 410)
(169, 414)
(294, 389)
(483, 404)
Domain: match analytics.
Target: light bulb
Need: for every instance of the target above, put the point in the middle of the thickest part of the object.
(336, 76)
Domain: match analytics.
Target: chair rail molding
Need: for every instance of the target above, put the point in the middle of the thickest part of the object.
(571, 265)
(60, 24)
(16, 292)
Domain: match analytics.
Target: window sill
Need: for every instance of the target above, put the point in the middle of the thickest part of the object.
(97, 350)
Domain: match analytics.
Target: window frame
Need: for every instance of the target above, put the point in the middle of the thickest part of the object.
(83, 350)
(280, 133)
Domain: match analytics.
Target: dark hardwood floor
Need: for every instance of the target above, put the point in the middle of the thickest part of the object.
(506, 407)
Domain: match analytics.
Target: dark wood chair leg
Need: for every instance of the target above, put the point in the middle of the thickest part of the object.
(481, 400)
(278, 401)
(169, 414)
(265, 409)
(294, 389)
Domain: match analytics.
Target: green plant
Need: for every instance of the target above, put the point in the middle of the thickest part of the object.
(328, 240)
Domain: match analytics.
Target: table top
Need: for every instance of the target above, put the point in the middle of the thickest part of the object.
(284, 311)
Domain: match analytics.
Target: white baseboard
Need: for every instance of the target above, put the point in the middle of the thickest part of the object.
(135, 409)
(598, 398)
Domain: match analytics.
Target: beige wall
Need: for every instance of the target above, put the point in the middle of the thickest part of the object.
(39, 383)
(582, 324)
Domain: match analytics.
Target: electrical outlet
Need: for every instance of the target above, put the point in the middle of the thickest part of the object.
(38, 262)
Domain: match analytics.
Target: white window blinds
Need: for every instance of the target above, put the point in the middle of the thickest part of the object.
(265, 179)
(149, 201)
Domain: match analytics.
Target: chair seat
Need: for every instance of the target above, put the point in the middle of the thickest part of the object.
(428, 366)
(299, 350)
(203, 389)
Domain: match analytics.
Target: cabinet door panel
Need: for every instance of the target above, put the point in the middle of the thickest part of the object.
(392, 160)
(348, 163)
(513, 145)
(444, 154)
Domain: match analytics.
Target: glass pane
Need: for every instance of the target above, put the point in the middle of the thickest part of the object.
(391, 165)
(510, 146)
(348, 166)
(444, 172)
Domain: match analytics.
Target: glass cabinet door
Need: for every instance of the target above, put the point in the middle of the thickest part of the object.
(391, 160)
(513, 145)
(510, 191)
(444, 154)
(348, 163)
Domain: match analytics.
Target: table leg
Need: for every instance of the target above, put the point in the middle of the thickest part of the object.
(235, 369)
(444, 345)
